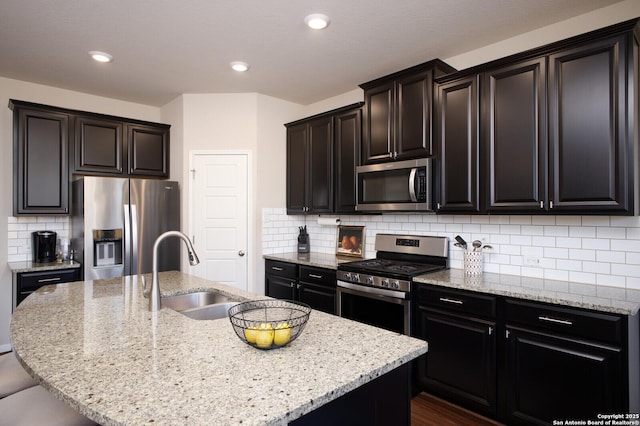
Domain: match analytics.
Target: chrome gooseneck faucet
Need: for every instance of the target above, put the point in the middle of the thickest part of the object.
(154, 297)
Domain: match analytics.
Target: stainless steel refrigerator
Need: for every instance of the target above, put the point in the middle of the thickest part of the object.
(115, 222)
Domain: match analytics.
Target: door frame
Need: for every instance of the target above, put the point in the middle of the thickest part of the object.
(250, 201)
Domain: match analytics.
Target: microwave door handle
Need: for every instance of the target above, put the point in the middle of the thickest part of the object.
(412, 185)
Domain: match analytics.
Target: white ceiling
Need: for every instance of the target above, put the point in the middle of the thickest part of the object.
(163, 48)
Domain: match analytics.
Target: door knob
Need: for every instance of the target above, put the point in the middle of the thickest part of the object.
(241, 253)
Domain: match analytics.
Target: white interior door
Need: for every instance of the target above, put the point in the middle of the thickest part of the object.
(220, 216)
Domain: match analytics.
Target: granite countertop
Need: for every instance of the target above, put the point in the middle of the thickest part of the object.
(95, 345)
(29, 266)
(320, 260)
(597, 297)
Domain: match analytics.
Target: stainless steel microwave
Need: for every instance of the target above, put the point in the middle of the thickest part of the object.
(395, 186)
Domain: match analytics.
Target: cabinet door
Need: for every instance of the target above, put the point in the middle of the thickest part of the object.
(320, 158)
(413, 116)
(515, 136)
(461, 362)
(458, 144)
(28, 282)
(296, 168)
(41, 172)
(379, 130)
(148, 149)
(554, 378)
(98, 145)
(280, 287)
(590, 145)
(348, 128)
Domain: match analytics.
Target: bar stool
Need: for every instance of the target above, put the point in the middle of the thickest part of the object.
(13, 378)
(37, 406)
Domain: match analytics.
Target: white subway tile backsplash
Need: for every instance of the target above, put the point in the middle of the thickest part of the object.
(611, 232)
(582, 231)
(20, 229)
(580, 254)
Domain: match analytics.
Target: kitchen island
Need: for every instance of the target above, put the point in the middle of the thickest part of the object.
(96, 346)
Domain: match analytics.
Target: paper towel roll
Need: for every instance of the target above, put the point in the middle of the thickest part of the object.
(328, 221)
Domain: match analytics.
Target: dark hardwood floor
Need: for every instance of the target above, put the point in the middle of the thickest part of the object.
(427, 410)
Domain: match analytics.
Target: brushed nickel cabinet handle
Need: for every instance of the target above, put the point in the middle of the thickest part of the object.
(554, 320)
(48, 280)
(454, 301)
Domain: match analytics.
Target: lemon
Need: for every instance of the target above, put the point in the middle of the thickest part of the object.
(250, 334)
(282, 335)
(264, 335)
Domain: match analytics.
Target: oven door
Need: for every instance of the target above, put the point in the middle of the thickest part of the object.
(379, 307)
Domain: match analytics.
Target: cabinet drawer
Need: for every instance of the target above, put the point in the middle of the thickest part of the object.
(567, 321)
(456, 300)
(320, 276)
(34, 280)
(281, 269)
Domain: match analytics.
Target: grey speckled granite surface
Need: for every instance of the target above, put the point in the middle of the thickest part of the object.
(30, 266)
(96, 346)
(597, 297)
(320, 260)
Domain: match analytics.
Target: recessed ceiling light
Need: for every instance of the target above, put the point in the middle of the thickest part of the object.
(239, 66)
(100, 56)
(317, 21)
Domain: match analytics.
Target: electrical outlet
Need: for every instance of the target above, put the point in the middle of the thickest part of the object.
(535, 262)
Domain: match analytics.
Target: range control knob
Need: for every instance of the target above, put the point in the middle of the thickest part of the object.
(356, 278)
(385, 282)
(347, 276)
(395, 284)
(370, 280)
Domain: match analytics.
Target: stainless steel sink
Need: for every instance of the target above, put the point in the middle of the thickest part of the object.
(209, 312)
(200, 305)
(182, 302)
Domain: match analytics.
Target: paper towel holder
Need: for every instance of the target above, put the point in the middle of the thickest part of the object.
(328, 221)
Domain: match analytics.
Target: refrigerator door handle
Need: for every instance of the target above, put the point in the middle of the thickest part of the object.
(127, 239)
(134, 240)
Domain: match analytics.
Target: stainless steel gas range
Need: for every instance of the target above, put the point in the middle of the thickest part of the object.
(378, 291)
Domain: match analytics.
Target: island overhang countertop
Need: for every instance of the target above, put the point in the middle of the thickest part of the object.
(96, 346)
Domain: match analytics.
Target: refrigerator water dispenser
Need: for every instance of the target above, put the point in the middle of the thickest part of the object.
(107, 247)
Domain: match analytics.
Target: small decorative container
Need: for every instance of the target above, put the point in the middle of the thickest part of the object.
(269, 324)
(472, 262)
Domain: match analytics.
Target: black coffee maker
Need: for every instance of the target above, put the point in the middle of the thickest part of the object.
(44, 246)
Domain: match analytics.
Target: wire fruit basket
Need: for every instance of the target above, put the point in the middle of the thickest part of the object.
(269, 324)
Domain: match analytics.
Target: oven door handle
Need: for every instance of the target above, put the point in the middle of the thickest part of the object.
(374, 291)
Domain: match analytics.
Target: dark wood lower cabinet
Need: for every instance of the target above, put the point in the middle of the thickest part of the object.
(524, 362)
(461, 360)
(558, 378)
(314, 286)
(25, 283)
(384, 401)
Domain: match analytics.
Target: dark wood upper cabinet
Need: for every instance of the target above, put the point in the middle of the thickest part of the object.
(322, 154)
(51, 144)
(99, 145)
(398, 114)
(515, 136)
(458, 145)
(348, 135)
(148, 150)
(591, 126)
(558, 129)
(310, 166)
(40, 160)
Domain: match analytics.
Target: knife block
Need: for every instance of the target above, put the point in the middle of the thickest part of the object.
(303, 244)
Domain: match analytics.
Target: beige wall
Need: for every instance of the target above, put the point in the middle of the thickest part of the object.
(242, 121)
